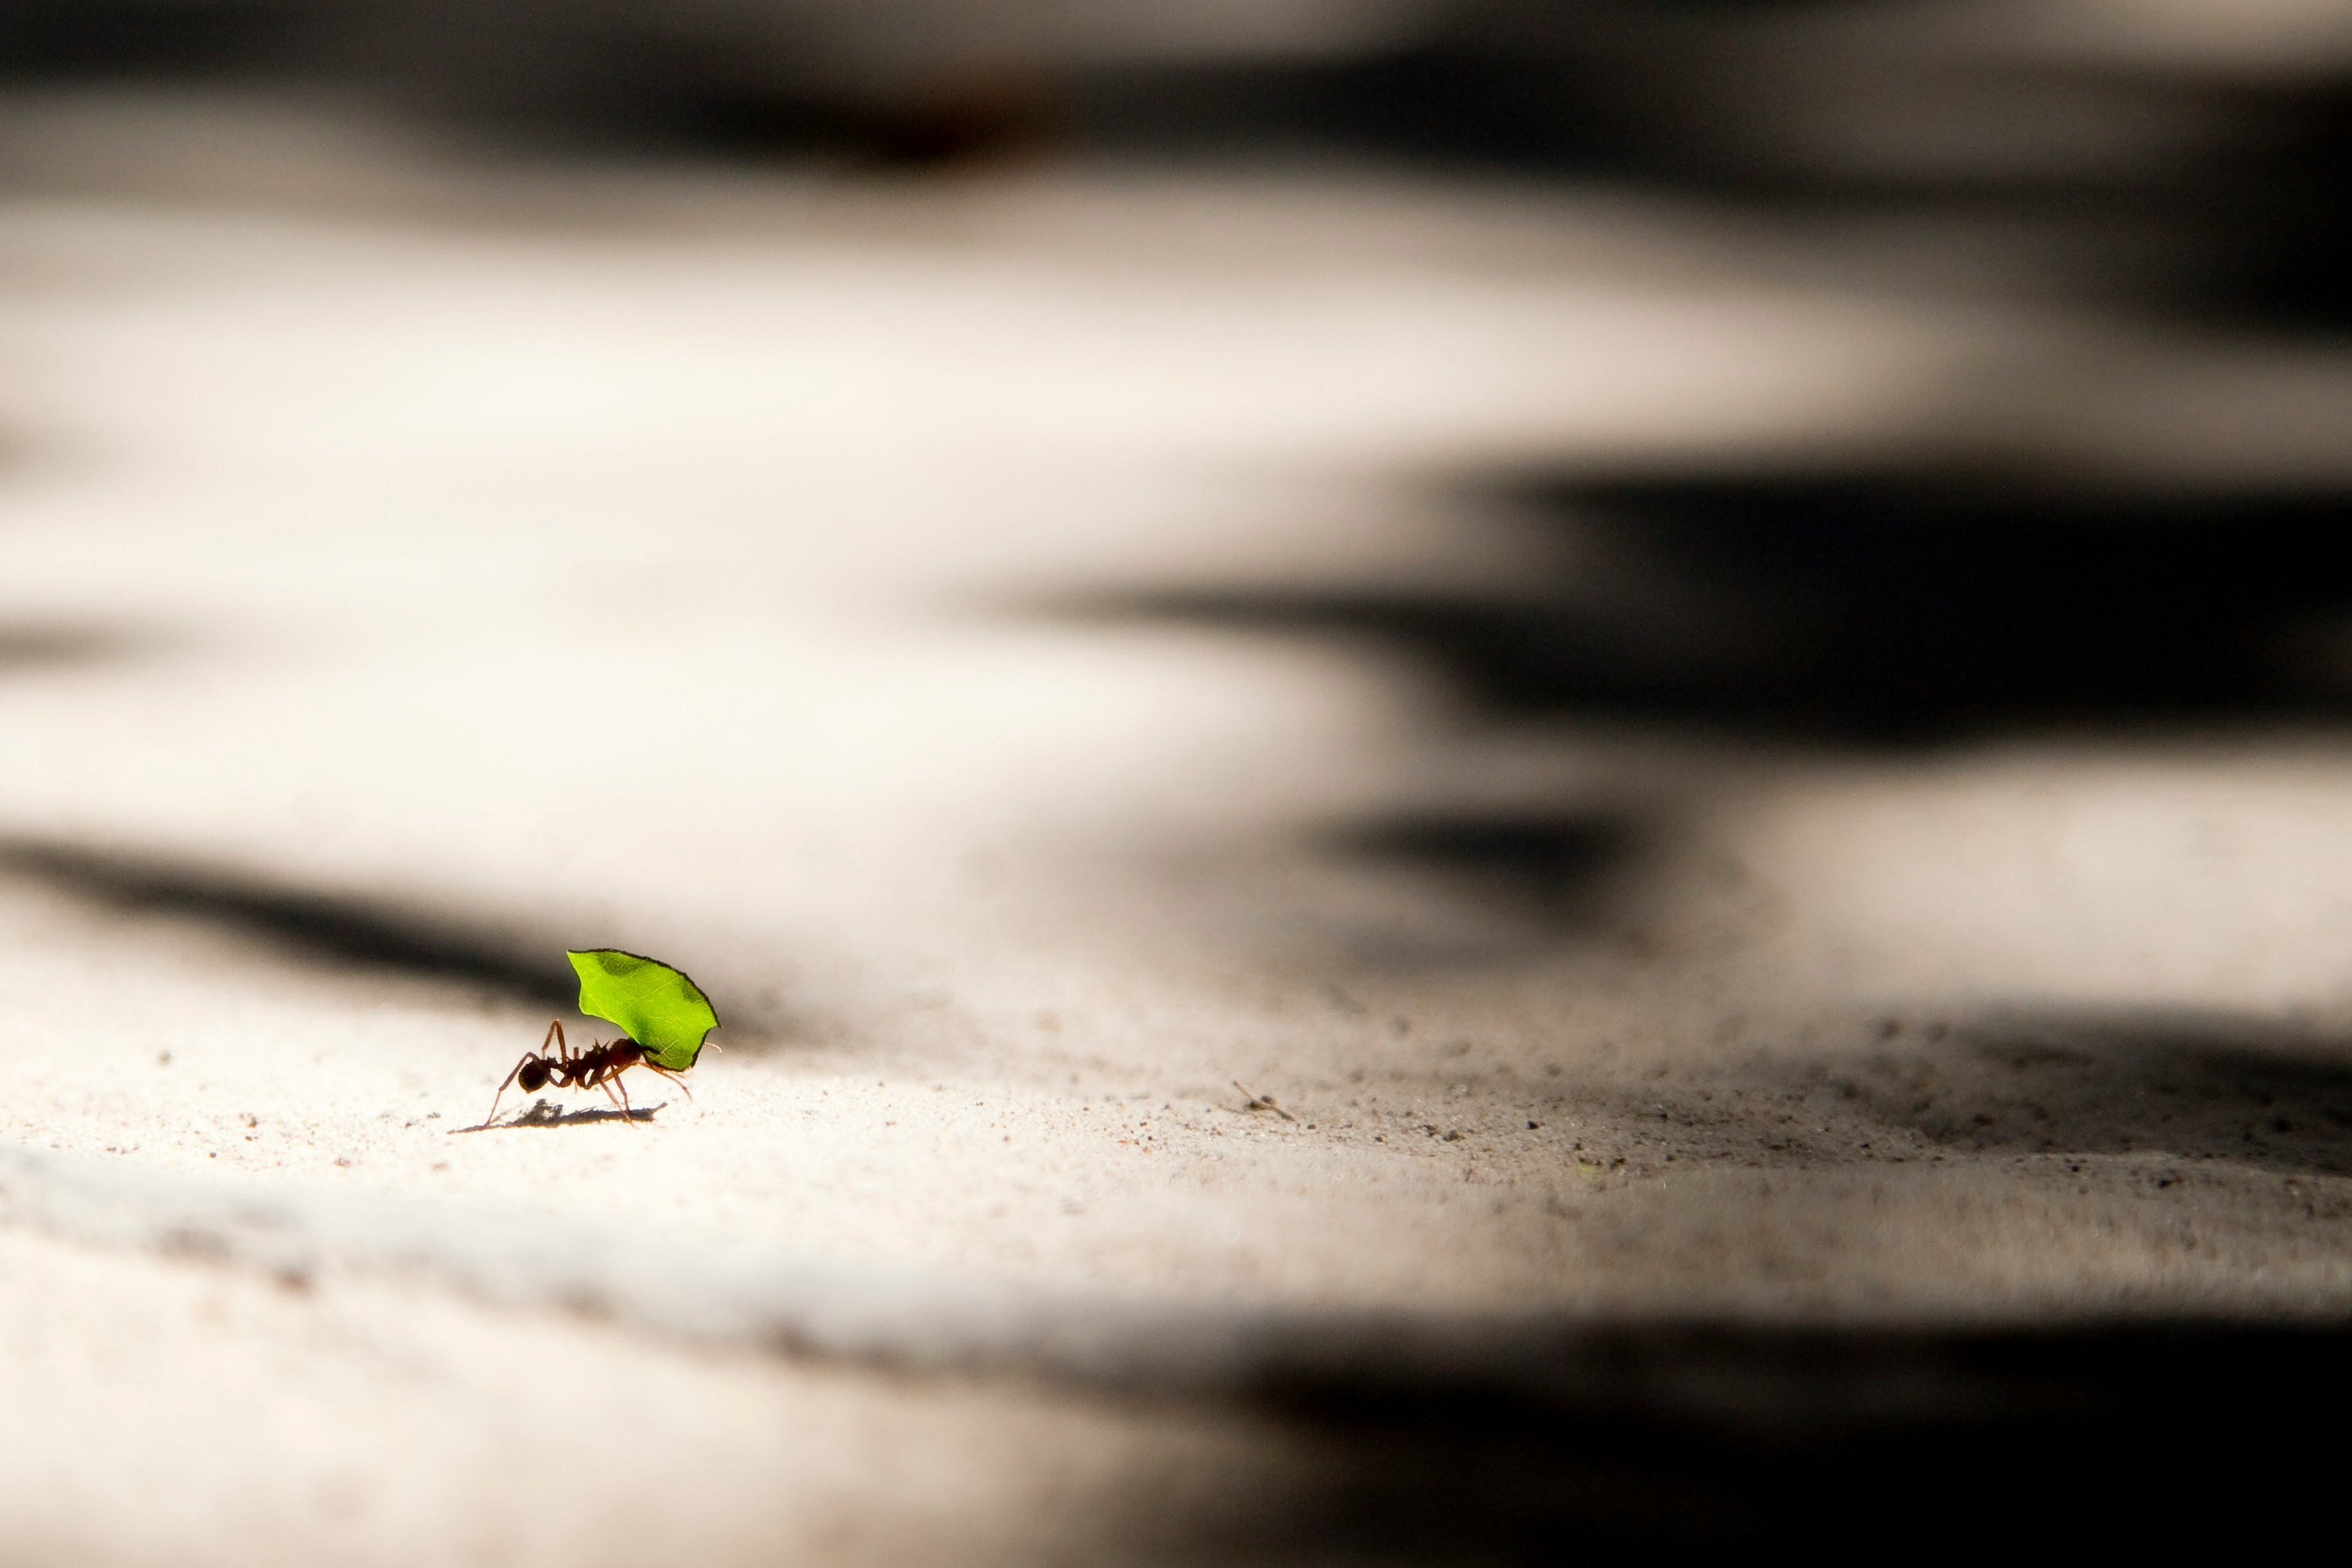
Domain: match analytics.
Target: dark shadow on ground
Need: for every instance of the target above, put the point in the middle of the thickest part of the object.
(108, 40)
(2202, 188)
(44, 646)
(1893, 608)
(337, 928)
(546, 1113)
(2196, 1087)
(1793, 614)
(2175, 1088)
(1555, 867)
(2234, 213)
(1545, 1447)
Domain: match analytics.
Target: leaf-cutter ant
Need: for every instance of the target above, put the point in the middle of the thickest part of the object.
(599, 1066)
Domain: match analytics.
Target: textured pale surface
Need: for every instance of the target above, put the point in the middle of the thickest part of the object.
(167, 1413)
(369, 511)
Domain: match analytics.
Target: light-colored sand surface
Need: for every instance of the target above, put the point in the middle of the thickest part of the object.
(409, 580)
(160, 1412)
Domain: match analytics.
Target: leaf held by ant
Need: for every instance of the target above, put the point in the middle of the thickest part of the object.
(655, 1004)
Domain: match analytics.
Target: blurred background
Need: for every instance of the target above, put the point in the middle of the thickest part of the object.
(1710, 635)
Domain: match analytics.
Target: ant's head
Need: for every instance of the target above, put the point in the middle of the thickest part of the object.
(535, 1075)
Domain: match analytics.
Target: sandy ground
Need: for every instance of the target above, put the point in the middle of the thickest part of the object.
(415, 568)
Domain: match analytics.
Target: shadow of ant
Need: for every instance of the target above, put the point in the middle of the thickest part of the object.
(546, 1113)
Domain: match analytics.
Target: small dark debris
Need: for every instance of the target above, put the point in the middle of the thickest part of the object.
(1262, 1102)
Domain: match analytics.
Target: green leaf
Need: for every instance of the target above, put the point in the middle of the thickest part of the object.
(655, 1004)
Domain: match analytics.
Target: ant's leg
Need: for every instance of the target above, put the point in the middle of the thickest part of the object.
(673, 1077)
(502, 1089)
(602, 1077)
(618, 1104)
(555, 1033)
(619, 1097)
(629, 1111)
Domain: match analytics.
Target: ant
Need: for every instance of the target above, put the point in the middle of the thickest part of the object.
(598, 1067)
